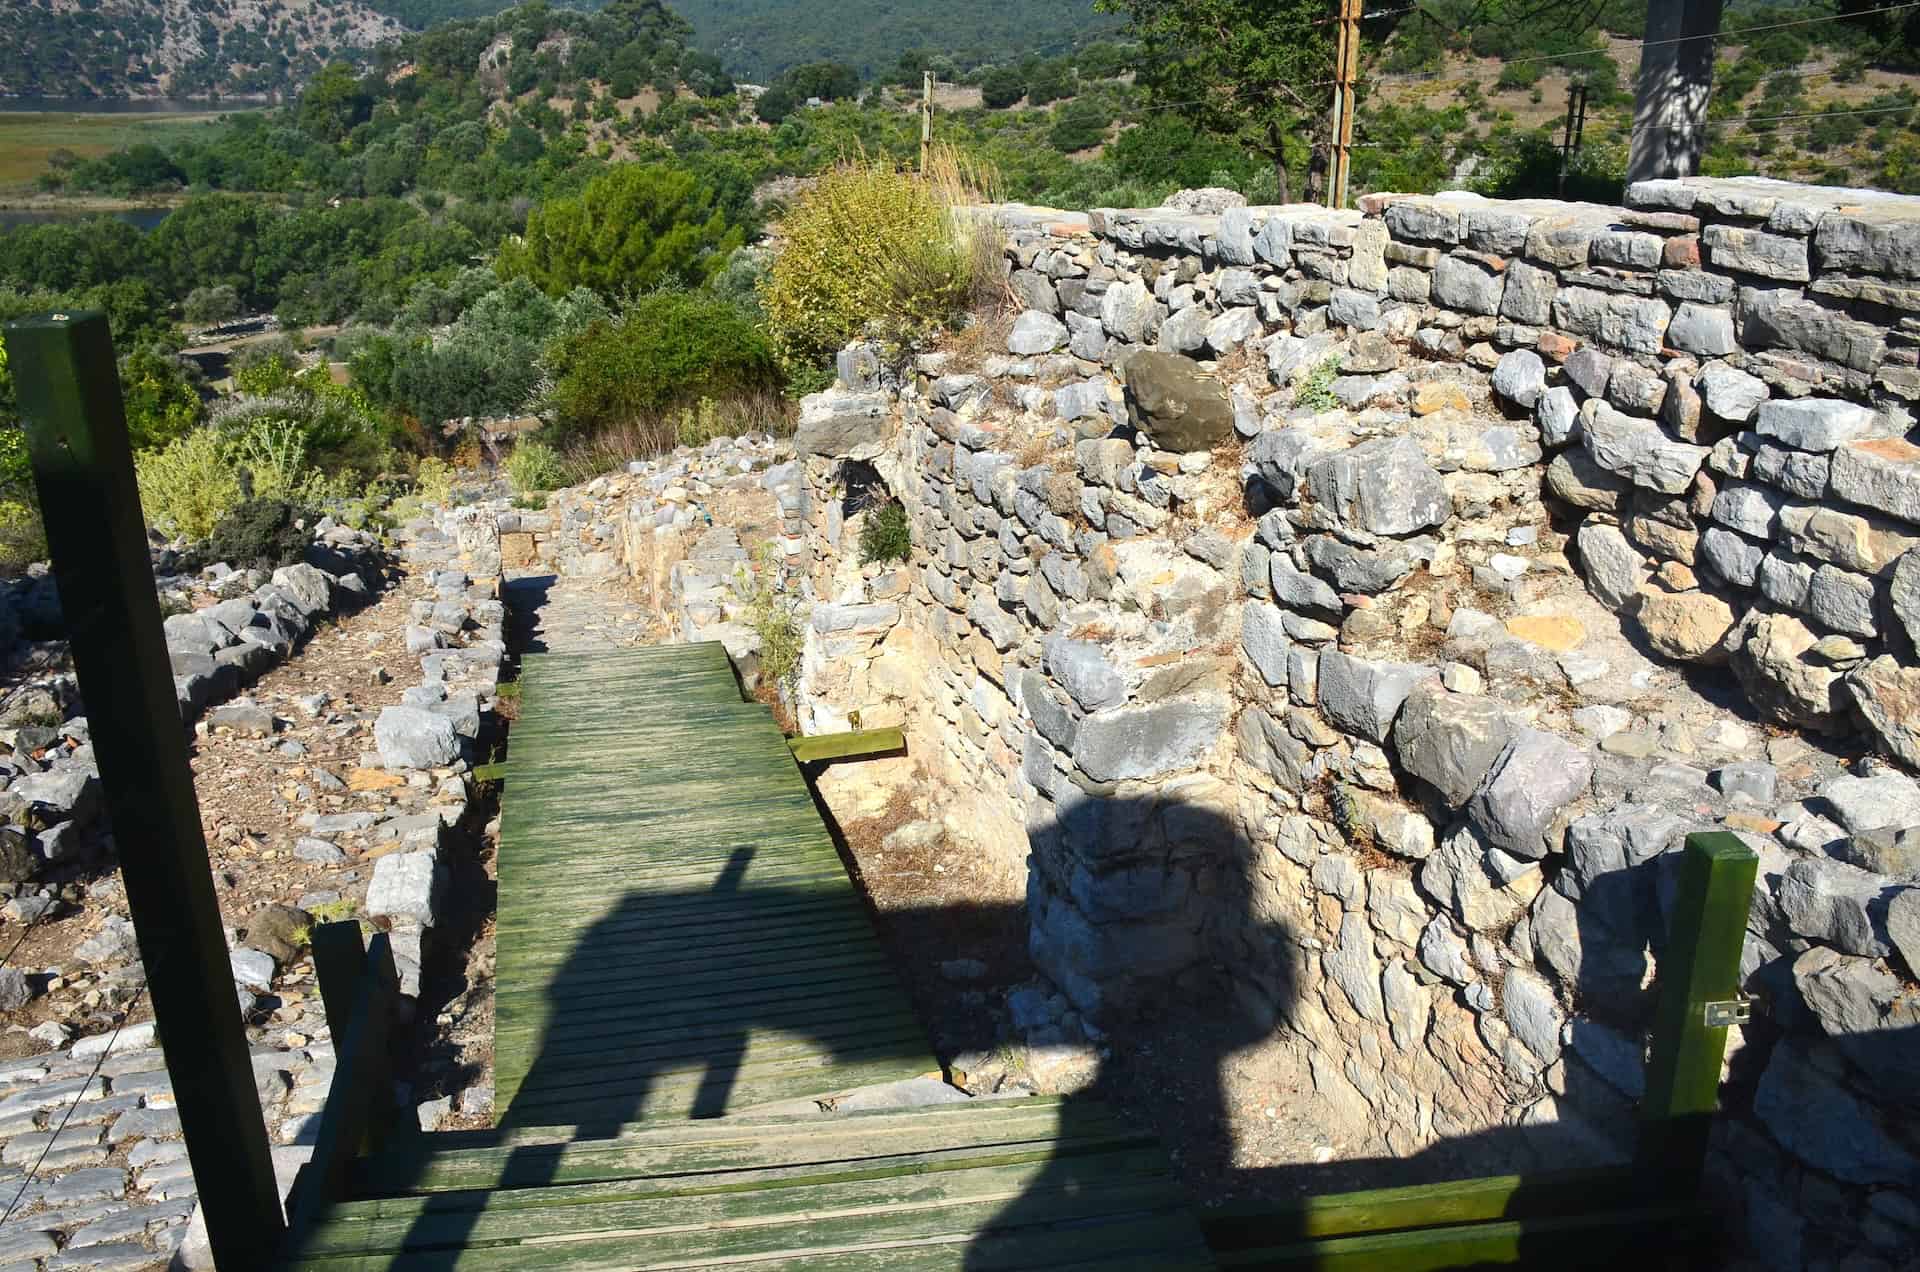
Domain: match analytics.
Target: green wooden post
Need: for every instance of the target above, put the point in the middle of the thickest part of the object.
(1699, 974)
(70, 409)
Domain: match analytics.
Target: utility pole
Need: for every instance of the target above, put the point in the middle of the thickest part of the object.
(1576, 127)
(926, 119)
(1346, 70)
(1676, 76)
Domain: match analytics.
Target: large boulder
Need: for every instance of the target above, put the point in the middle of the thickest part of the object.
(1450, 740)
(1176, 404)
(1385, 486)
(414, 737)
(842, 425)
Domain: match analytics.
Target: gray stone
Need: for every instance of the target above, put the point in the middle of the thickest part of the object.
(1878, 473)
(1385, 486)
(1457, 877)
(1814, 424)
(308, 588)
(1351, 965)
(1805, 1105)
(1231, 330)
(1528, 1006)
(1444, 954)
(1143, 742)
(1299, 590)
(1884, 799)
(1639, 451)
(1703, 329)
(1637, 324)
(1085, 400)
(858, 365)
(1864, 1009)
(414, 737)
(1352, 308)
(1558, 416)
(1843, 601)
(407, 885)
(1528, 297)
(1263, 635)
(1184, 332)
(252, 969)
(1172, 401)
(1083, 670)
(1755, 779)
(1619, 1060)
(1613, 567)
(838, 424)
(1520, 377)
(1450, 740)
(1527, 790)
(1750, 509)
(1782, 318)
(15, 992)
(1728, 393)
(1833, 902)
(1903, 926)
(1756, 252)
(1467, 285)
(1124, 310)
(1407, 1005)
(1588, 369)
(72, 793)
(1904, 592)
(1050, 715)
(1364, 697)
(1363, 570)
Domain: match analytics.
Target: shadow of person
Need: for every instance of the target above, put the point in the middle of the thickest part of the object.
(1142, 910)
(526, 598)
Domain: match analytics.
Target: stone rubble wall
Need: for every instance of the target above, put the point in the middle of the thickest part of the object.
(1293, 685)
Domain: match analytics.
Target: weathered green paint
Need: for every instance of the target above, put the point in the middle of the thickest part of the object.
(1263, 1225)
(359, 1112)
(676, 935)
(863, 744)
(70, 409)
(1701, 964)
(1595, 1240)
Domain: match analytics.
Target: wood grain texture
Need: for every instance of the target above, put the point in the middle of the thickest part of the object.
(678, 942)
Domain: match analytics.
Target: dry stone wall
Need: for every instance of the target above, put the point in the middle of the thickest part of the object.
(1350, 613)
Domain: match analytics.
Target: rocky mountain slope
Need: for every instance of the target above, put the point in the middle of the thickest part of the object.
(158, 48)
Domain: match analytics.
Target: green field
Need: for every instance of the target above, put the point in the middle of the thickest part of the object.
(27, 139)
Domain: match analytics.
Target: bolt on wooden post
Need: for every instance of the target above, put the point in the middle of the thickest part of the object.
(71, 411)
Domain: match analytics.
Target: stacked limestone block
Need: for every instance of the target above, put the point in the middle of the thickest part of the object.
(1329, 745)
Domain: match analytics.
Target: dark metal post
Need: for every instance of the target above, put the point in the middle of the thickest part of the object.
(1699, 999)
(75, 422)
(1676, 77)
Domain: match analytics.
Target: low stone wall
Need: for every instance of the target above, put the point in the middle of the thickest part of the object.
(1370, 673)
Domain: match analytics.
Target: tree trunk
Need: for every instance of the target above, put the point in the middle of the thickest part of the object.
(1279, 151)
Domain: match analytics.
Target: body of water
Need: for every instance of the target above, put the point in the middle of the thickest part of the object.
(144, 218)
(126, 106)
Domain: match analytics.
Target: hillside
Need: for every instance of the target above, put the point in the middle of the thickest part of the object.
(178, 48)
(758, 39)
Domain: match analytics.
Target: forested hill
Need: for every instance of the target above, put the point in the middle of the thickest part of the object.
(759, 39)
(158, 48)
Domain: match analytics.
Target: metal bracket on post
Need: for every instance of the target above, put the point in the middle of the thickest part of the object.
(1725, 1015)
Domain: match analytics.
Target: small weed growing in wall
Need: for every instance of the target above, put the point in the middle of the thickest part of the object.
(886, 535)
(775, 619)
(1316, 391)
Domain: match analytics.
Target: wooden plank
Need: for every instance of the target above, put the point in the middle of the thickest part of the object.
(1700, 965)
(1253, 1225)
(675, 927)
(1596, 1240)
(76, 437)
(361, 1092)
(862, 744)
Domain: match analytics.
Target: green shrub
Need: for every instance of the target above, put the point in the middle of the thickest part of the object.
(668, 348)
(535, 467)
(260, 533)
(885, 536)
(272, 455)
(433, 480)
(23, 536)
(869, 245)
(1316, 391)
(187, 487)
(775, 619)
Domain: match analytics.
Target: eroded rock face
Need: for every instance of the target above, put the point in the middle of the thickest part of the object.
(1179, 406)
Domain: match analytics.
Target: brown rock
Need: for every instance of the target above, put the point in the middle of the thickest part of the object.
(1557, 632)
(1888, 695)
(1772, 656)
(1435, 396)
(1682, 252)
(1172, 401)
(1688, 626)
(279, 930)
(365, 779)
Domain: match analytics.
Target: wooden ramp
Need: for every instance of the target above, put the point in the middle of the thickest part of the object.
(678, 941)
(677, 936)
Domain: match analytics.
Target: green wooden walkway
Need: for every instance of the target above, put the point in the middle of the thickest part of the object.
(678, 940)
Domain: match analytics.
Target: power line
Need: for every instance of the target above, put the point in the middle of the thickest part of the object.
(78, 1096)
